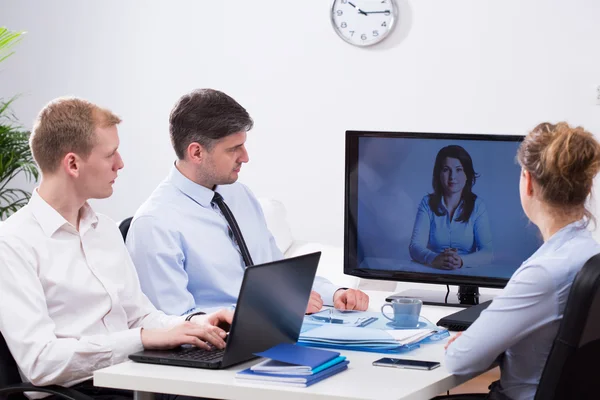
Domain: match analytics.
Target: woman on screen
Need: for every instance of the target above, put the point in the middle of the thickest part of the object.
(558, 164)
(452, 229)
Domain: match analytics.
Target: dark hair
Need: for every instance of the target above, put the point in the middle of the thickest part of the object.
(467, 195)
(564, 161)
(205, 116)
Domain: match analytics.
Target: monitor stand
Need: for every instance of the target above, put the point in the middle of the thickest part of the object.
(467, 296)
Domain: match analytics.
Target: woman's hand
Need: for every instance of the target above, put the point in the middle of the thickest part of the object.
(452, 339)
(448, 260)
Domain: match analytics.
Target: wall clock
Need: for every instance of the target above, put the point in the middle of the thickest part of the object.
(363, 22)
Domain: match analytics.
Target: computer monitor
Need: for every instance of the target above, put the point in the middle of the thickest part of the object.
(435, 208)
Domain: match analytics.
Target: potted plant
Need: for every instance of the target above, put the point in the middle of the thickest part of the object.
(15, 155)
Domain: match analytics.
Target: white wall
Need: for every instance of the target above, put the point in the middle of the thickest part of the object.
(450, 66)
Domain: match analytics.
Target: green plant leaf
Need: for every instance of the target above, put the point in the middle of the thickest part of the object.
(7, 40)
(15, 155)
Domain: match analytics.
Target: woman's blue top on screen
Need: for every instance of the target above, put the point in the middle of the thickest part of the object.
(433, 233)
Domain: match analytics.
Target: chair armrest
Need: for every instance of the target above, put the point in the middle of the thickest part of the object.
(62, 392)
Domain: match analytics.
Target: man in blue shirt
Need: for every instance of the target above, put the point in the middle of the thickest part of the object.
(186, 252)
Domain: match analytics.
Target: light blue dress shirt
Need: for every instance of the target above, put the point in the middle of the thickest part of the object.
(523, 320)
(433, 233)
(186, 258)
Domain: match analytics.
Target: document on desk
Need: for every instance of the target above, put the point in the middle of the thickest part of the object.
(366, 339)
(409, 336)
(349, 336)
(346, 318)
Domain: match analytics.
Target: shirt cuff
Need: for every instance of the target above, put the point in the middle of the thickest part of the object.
(327, 291)
(430, 257)
(125, 343)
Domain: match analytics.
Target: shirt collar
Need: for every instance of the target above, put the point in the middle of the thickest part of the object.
(458, 207)
(50, 220)
(196, 192)
(565, 234)
(88, 218)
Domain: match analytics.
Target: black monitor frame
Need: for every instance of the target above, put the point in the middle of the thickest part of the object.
(468, 285)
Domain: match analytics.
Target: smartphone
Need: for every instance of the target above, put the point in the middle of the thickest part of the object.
(404, 363)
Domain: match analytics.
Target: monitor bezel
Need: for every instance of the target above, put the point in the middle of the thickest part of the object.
(351, 207)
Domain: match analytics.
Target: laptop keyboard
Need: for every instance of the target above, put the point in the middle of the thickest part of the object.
(198, 354)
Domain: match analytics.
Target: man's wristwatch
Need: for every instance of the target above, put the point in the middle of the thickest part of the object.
(189, 317)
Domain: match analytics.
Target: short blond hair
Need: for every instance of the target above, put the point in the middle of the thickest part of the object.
(67, 125)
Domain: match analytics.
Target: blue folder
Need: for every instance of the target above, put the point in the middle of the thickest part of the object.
(299, 356)
(337, 336)
(291, 380)
(281, 368)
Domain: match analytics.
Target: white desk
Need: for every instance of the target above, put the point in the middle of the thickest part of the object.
(360, 381)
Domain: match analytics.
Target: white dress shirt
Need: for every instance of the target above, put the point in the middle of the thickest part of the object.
(70, 302)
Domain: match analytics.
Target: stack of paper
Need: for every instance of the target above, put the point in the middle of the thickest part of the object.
(292, 365)
(353, 338)
(410, 336)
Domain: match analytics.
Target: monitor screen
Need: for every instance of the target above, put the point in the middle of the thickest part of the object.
(435, 208)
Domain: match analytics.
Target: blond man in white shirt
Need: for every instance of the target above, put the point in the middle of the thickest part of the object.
(70, 299)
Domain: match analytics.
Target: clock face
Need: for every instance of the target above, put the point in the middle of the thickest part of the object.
(363, 22)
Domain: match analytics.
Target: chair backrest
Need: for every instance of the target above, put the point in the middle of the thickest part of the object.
(124, 227)
(571, 371)
(9, 372)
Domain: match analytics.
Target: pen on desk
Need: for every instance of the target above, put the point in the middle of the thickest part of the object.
(328, 319)
(367, 322)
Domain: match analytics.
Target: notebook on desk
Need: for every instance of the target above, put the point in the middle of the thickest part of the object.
(270, 310)
(461, 320)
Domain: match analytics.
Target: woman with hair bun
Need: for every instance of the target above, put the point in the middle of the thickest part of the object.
(558, 164)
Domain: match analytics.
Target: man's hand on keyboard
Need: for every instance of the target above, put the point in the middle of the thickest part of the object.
(221, 319)
(200, 330)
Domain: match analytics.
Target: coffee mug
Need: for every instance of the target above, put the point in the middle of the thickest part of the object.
(406, 312)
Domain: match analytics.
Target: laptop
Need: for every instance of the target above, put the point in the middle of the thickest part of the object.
(270, 311)
(461, 320)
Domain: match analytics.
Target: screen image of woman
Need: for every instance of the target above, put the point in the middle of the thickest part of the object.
(452, 228)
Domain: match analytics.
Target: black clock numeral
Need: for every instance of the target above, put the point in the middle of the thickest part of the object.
(387, 12)
(384, 23)
(375, 33)
(344, 1)
(339, 13)
(344, 25)
(363, 36)
(351, 33)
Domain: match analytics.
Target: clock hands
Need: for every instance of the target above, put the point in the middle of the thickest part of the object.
(386, 12)
(359, 10)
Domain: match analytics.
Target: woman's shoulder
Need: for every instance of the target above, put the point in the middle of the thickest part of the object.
(562, 263)
(479, 204)
(425, 201)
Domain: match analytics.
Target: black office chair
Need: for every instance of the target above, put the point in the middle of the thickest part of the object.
(571, 370)
(124, 227)
(11, 387)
